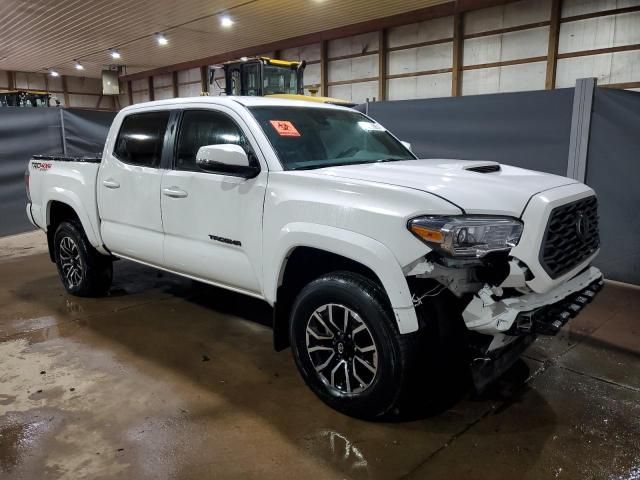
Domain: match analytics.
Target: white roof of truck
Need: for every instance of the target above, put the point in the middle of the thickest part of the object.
(232, 101)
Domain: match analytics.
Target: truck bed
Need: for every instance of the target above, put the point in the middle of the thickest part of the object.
(94, 158)
(67, 179)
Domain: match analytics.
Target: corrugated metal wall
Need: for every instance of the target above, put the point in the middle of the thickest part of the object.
(504, 49)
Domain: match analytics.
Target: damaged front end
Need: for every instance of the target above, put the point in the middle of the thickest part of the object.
(502, 315)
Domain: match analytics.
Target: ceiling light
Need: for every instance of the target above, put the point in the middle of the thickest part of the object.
(79, 66)
(161, 39)
(53, 73)
(226, 21)
(244, 59)
(115, 54)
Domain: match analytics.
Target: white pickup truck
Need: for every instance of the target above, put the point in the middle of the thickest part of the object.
(384, 270)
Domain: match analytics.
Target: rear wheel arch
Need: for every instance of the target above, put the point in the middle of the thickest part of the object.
(58, 212)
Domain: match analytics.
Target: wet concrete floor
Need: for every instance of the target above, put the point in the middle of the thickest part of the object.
(166, 378)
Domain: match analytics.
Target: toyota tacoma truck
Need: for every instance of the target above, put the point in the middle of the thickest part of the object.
(384, 270)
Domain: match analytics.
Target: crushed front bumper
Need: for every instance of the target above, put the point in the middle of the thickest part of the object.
(548, 320)
(500, 317)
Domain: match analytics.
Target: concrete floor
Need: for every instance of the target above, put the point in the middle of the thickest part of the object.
(166, 378)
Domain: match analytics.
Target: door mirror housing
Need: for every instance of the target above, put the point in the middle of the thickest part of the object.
(407, 145)
(226, 158)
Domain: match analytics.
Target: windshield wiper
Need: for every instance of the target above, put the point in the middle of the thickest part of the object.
(341, 164)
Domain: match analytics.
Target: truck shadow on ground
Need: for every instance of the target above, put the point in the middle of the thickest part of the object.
(192, 329)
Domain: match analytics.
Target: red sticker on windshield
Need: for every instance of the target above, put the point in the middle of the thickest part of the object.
(284, 128)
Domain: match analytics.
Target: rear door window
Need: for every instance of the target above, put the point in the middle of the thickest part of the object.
(141, 138)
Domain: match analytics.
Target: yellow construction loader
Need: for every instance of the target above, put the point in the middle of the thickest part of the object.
(264, 76)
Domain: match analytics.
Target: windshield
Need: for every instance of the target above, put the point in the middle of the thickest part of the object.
(279, 80)
(307, 138)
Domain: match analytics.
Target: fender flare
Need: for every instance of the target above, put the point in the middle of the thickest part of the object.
(72, 200)
(354, 246)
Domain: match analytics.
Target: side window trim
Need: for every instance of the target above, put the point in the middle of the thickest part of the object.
(178, 133)
(170, 140)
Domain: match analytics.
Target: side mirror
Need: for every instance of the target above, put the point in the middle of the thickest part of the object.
(407, 145)
(228, 159)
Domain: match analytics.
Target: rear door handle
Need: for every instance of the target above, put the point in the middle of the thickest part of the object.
(110, 183)
(174, 192)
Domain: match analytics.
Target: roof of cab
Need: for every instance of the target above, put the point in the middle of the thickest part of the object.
(233, 101)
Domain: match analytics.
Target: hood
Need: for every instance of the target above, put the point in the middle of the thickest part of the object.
(490, 189)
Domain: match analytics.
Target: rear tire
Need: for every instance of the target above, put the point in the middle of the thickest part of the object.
(84, 272)
(342, 326)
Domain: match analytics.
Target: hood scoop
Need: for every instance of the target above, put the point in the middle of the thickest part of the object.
(487, 168)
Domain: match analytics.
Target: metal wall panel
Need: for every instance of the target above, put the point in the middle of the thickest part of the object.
(355, 92)
(163, 80)
(162, 93)
(608, 68)
(509, 15)
(571, 8)
(305, 52)
(426, 31)
(139, 97)
(190, 90)
(367, 42)
(33, 81)
(423, 86)
(191, 75)
(420, 59)
(511, 78)
(84, 85)
(508, 46)
(353, 68)
(601, 32)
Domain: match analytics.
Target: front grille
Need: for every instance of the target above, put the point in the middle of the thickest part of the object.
(571, 236)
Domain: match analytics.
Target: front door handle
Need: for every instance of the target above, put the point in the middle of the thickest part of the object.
(174, 192)
(110, 183)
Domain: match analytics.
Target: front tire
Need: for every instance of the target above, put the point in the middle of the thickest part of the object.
(84, 272)
(347, 347)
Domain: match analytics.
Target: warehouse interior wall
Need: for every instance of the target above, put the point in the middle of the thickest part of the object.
(73, 92)
(525, 45)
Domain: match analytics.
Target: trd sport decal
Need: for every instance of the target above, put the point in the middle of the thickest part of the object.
(228, 241)
(42, 166)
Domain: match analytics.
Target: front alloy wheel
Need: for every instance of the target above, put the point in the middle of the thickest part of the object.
(346, 345)
(342, 349)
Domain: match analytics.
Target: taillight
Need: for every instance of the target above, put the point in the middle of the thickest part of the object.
(26, 183)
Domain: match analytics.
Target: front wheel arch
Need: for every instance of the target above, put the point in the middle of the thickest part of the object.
(303, 265)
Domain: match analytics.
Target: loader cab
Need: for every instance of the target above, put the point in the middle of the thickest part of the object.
(262, 76)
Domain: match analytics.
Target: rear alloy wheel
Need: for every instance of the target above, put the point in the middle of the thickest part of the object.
(70, 262)
(83, 270)
(347, 347)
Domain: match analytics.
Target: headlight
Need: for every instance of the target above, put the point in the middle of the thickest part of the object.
(467, 236)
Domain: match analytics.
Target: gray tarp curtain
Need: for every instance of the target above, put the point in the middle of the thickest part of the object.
(613, 171)
(525, 129)
(28, 131)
